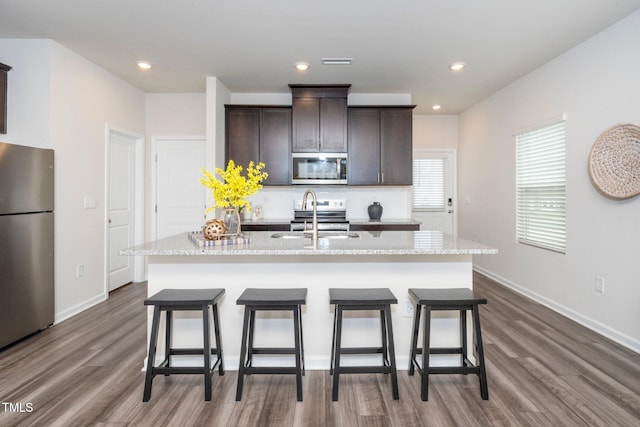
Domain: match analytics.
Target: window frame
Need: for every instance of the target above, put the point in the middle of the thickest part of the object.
(541, 165)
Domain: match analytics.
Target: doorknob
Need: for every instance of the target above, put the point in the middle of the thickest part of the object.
(109, 220)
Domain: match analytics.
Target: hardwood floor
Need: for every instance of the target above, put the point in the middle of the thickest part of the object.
(543, 370)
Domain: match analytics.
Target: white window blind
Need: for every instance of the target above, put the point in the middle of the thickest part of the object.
(429, 184)
(540, 187)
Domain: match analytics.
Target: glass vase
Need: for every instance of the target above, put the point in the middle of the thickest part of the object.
(232, 221)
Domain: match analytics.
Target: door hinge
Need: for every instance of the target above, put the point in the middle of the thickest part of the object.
(156, 208)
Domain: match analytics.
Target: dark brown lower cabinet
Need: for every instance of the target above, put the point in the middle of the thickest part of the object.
(384, 227)
(265, 227)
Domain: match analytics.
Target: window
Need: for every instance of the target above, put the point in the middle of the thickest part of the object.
(540, 186)
(429, 183)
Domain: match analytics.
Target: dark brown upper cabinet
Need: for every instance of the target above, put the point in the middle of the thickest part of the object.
(319, 118)
(4, 69)
(261, 134)
(380, 145)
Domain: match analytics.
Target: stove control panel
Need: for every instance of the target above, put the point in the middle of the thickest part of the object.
(323, 205)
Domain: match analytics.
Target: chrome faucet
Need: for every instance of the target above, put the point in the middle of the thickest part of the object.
(314, 226)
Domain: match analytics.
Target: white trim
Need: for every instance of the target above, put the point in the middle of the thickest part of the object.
(78, 308)
(139, 262)
(604, 330)
(555, 119)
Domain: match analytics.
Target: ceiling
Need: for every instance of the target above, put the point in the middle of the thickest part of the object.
(400, 46)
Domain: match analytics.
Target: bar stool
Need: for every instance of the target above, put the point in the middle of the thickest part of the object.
(170, 300)
(271, 300)
(363, 299)
(458, 299)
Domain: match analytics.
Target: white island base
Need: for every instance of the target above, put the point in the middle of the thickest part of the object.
(317, 274)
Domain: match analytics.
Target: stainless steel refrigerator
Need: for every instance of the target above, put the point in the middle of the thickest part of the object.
(26, 241)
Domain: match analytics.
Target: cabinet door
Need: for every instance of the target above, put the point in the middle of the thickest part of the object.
(275, 140)
(306, 124)
(396, 155)
(242, 140)
(364, 146)
(333, 125)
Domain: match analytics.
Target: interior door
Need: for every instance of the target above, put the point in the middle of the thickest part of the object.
(434, 197)
(121, 208)
(180, 198)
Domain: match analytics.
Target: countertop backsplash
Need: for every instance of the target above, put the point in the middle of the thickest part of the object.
(277, 202)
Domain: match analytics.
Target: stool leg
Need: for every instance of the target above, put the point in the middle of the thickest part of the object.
(426, 350)
(168, 337)
(243, 352)
(152, 354)
(301, 340)
(333, 340)
(463, 337)
(252, 324)
(338, 345)
(385, 348)
(206, 352)
(414, 338)
(392, 353)
(297, 331)
(216, 331)
(482, 375)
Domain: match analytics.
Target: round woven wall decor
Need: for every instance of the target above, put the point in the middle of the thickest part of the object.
(614, 161)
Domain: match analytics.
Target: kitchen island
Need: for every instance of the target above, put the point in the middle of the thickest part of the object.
(397, 260)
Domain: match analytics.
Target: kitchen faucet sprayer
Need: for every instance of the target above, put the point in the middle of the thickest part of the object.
(314, 226)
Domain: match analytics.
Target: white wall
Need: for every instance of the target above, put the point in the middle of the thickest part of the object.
(435, 132)
(62, 101)
(169, 115)
(597, 85)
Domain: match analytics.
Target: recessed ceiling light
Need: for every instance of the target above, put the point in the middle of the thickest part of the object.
(337, 61)
(436, 107)
(302, 66)
(144, 65)
(456, 66)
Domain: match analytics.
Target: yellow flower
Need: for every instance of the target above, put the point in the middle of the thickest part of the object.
(234, 188)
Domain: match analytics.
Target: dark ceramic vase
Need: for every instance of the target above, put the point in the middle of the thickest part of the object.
(375, 211)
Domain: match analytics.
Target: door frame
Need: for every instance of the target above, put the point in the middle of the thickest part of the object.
(154, 172)
(138, 263)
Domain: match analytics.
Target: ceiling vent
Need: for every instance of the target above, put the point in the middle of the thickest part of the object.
(337, 61)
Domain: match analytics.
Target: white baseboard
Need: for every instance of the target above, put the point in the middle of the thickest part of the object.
(70, 312)
(585, 321)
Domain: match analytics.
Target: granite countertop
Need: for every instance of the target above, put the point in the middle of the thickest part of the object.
(367, 243)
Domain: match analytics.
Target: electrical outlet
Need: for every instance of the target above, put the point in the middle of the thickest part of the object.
(600, 284)
(408, 308)
(79, 270)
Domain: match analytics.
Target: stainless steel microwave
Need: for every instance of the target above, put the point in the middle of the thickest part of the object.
(319, 168)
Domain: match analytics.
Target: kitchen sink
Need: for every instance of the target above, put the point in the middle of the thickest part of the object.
(321, 235)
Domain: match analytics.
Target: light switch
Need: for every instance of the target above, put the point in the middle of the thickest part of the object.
(89, 202)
